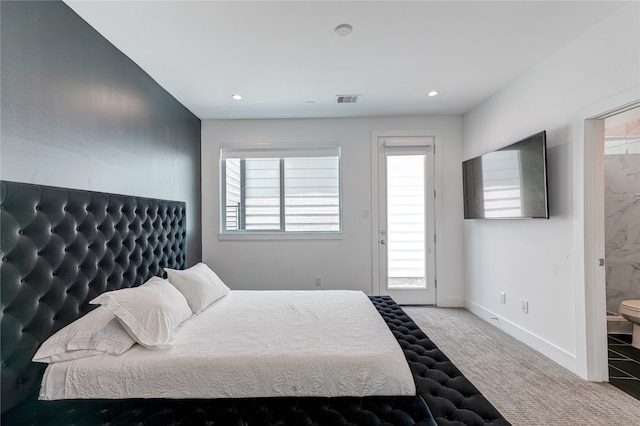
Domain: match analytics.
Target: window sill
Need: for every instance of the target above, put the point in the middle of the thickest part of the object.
(280, 236)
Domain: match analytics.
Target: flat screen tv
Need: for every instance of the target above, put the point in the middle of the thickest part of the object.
(509, 183)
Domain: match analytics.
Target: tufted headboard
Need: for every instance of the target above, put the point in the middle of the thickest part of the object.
(60, 249)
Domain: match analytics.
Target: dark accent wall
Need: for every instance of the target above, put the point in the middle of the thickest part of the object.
(78, 113)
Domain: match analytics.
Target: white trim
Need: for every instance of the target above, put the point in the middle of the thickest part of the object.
(375, 258)
(279, 145)
(557, 354)
(449, 302)
(414, 141)
(594, 241)
(257, 236)
(263, 150)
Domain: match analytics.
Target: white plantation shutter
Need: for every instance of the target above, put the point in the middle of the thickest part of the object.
(280, 189)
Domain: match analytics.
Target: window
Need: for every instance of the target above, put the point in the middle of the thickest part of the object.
(271, 190)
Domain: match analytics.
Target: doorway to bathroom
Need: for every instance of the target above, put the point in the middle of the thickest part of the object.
(621, 166)
(622, 208)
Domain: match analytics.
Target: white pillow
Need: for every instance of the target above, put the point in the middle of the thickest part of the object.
(150, 313)
(96, 333)
(199, 285)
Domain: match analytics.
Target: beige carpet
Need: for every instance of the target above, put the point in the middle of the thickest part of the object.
(524, 385)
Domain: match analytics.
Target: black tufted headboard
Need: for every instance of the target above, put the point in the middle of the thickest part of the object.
(63, 247)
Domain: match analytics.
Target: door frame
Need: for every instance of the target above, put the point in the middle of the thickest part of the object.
(589, 127)
(375, 219)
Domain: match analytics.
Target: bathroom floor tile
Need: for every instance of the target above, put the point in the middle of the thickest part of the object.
(619, 338)
(612, 354)
(632, 387)
(618, 374)
(624, 364)
(628, 366)
(626, 350)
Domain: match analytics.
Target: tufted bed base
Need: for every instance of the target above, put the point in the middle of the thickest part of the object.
(63, 247)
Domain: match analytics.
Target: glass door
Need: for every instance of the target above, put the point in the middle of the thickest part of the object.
(405, 236)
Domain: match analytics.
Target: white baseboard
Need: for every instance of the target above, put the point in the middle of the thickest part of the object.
(551, 351)
(450, 302)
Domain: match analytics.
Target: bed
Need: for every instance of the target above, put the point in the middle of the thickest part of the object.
(61, 248)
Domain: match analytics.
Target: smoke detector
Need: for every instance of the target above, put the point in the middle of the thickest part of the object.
(343, 30)
(347, 99)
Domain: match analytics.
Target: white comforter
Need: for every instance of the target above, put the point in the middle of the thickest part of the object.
(253, 344)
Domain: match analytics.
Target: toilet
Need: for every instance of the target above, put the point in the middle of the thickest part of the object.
(630, 310)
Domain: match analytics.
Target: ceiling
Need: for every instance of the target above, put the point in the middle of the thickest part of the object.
(287, 61)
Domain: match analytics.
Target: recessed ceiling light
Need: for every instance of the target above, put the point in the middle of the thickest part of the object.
(433, 93)
(343, 30)
(236, 96)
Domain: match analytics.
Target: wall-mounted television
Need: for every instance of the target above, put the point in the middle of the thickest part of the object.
(509, 183)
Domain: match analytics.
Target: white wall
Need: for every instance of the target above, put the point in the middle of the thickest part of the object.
(542, 260)
(345, 263)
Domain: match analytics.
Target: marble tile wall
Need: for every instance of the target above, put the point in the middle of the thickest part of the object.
(622, 227)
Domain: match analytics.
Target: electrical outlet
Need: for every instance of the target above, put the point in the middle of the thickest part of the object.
(524, 306)
(503, 297)
(318, 281)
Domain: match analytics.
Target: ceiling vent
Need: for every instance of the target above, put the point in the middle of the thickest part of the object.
(347, 99)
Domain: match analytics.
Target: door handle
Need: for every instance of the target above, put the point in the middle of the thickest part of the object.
(383, 242)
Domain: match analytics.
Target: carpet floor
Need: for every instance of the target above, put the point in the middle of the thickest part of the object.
(524, 385)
